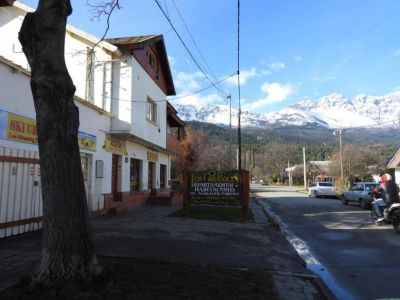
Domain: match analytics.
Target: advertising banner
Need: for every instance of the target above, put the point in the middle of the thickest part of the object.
(115, 146)
(215, 187)
(87, 141)
(152, 156)
(21, 129)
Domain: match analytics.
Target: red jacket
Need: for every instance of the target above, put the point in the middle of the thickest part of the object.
(388, 191)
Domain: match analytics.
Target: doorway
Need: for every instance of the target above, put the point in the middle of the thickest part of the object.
(163, 176)
(86, 163)
(151, 175)
(114, 174)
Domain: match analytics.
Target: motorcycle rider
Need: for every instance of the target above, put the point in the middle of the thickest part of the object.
(385, 194)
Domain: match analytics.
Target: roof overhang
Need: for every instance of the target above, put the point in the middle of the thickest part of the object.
(140, 42)
(395, 161)
(89, 39)
(172, 116)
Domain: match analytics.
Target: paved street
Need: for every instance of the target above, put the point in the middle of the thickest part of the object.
(362, 258)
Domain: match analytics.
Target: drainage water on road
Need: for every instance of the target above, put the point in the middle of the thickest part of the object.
(311, 262)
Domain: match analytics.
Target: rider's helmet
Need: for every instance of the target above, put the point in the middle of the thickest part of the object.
(385, 177)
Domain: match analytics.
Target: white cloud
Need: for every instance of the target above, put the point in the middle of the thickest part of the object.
(275, 92)
(297, 58)
(245, 75)
(187, 81)
(198, 99)
(396, 53)
(325, 78)
(394, 91)
(171, 61)
(266, 72)
(277, 66)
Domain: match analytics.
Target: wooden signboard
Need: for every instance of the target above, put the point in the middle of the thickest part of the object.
(215, 187)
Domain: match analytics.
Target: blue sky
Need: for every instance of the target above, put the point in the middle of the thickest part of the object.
(290, 50)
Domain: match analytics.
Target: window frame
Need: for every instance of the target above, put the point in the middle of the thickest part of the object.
(151, 110)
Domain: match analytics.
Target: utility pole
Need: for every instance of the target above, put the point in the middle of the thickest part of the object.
(237, 158)
(304, 163)
(290, 173)
(240, 143)
(230, 131)
(341, 156)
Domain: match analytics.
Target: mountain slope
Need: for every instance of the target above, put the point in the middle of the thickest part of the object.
(331, 111)
(306, 135)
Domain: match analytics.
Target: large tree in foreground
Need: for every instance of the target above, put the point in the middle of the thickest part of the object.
(68, 251)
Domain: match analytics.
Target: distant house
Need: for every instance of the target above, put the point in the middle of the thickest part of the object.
(315, 171)
(394, 164)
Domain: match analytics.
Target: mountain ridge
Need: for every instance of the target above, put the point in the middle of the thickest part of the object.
(331, 112)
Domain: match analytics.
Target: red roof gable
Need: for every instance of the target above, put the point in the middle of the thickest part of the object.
(139, 46)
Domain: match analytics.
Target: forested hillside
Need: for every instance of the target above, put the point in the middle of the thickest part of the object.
(267, 152)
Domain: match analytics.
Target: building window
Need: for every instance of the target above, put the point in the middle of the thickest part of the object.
(163, 176)
(135, 175)
(152, 59)
(151, 110)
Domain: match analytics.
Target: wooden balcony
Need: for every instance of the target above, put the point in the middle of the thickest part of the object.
(174, 145)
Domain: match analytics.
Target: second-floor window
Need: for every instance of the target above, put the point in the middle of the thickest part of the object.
(151, 110)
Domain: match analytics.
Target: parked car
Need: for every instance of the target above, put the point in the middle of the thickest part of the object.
(322, 189)
(360, 193)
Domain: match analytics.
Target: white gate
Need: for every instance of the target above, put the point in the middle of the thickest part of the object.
(20, 193)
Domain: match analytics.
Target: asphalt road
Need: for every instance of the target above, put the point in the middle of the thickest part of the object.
(362, 258)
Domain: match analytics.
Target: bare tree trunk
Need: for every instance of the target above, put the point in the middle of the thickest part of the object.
(68, 250)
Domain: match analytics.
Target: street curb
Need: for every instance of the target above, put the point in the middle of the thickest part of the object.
(315, 278)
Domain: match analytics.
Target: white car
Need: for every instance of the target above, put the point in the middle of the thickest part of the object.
(322, 189)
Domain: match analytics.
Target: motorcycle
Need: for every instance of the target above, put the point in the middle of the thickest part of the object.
(391, 215)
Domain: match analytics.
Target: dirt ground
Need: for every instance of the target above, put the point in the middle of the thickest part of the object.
(129, 278)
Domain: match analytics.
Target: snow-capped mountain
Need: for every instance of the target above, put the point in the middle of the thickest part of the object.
(331, 111)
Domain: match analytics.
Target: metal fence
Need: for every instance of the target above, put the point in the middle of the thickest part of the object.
(20, 192)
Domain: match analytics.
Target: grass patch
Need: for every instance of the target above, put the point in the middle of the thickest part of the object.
(147, 280)
(219, 213)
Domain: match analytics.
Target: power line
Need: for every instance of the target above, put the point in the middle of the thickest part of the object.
(223, 79)
(166, 7)
(193, 40)
(174, 98)
(187, 49)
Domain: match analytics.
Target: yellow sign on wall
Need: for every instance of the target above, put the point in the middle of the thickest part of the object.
(152, 156)
(87, 141)
(115, 146)
(21, 129)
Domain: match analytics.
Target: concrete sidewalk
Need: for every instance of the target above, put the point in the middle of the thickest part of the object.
(148, 233)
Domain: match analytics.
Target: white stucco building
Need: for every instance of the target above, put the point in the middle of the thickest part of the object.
(121, 90)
